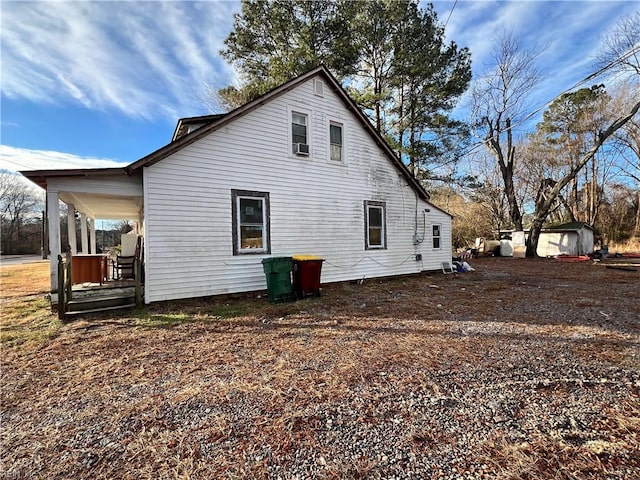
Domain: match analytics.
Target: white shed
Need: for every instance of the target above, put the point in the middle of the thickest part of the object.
(574, 238)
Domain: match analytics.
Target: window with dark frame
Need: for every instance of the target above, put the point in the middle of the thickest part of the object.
(436, 236)
(335, 140)
(375, 230)
(298, 130)
(250, 215)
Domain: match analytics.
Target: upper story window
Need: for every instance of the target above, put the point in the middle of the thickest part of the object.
(336, 141)
(436, 236)
(250, 213)
(299, 133)
(375, 225)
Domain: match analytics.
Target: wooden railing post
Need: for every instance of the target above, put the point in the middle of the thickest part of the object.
(61, 289)
(69, 281)
(137, 266)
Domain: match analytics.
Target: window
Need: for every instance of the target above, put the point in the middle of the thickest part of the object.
(298, 131)
(335, 140)
(250, 213)
(375, 228)
(436, 236)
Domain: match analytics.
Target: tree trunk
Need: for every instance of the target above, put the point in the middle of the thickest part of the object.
(506, 169)
(534, 236)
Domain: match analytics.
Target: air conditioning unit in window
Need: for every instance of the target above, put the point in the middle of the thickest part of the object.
(301, 149)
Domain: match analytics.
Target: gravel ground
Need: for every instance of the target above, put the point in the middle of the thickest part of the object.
(523, 369)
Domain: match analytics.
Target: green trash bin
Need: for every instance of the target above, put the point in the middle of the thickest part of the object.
(278, 273)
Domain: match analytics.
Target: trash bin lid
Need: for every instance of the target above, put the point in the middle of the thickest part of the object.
(306, 257)
(270, 260)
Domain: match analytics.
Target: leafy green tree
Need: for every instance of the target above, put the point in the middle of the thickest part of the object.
(568, 129)
(275, 40)
(429, 78)
(391, 54)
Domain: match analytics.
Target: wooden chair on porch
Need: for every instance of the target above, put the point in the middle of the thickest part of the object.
(124, 264)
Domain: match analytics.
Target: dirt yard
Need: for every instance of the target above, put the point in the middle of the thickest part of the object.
(523, 369)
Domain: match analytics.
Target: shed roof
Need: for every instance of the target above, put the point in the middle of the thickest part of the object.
(39, 177)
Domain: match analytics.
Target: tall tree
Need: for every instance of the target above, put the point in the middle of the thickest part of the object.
(543, 204)
(620, 49)
(430, 76)
(627, 145)
(499, 104)
(568, 128)
(19, 207)
(275, 40)
(620, 54)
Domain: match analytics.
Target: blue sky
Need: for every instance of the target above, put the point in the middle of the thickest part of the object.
(89, 84)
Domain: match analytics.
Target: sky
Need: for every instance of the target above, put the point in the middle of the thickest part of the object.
(103, 83)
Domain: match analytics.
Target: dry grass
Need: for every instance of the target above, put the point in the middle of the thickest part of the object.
(525, 369)
(630, 246)
(25, 315)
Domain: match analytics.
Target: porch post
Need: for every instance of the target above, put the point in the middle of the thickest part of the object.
(92, 234)
(84, 239)
(71, 228)
(53, 213)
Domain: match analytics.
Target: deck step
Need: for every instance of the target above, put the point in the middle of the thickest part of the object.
(99, 303)
(98, 310)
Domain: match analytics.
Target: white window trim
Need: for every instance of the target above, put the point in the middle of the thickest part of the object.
(383, 233)
(237, 196)
(343, 124)
(439, 225)
(290, 110)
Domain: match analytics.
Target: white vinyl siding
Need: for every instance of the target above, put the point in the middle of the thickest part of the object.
(315, 207)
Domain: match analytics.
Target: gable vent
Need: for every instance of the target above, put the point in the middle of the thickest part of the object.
(318, 87)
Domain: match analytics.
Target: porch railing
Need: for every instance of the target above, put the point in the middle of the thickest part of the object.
(64, 285)
(65, 282)
(137, 265)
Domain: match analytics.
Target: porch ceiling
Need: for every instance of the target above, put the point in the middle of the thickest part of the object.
(105, 207)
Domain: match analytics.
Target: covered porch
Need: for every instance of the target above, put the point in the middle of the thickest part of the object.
(90, 196)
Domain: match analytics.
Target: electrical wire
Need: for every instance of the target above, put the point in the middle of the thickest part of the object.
(366, 257)
(454, 6)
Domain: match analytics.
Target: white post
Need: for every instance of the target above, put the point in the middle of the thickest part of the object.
(84, 239)
(92, 233)
(53, 211)
(71, 228)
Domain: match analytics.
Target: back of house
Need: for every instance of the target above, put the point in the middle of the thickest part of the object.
(299, 170)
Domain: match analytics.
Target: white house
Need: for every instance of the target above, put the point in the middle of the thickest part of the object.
(298, 170)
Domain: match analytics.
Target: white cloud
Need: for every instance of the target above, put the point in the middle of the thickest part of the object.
(17, 159)
(567, 32)
(144, 59)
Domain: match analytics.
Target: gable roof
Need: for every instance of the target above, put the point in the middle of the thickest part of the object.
(189, 124)
(216, 122)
